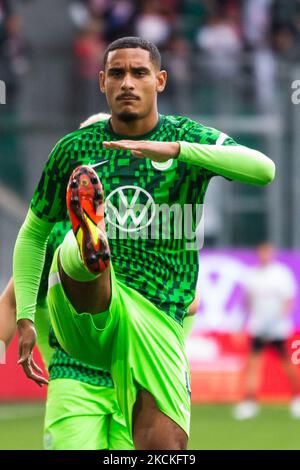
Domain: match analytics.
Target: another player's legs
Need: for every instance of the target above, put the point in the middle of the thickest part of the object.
(249, 407)
(253, 374)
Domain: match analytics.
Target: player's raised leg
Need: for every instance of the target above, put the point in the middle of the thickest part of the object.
(84, 255)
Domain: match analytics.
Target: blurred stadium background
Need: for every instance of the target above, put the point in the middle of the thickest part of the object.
(231, 65)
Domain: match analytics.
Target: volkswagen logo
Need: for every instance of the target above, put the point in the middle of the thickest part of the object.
(129, 208)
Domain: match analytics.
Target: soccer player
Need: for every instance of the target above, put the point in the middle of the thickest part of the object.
(118, 303)
(81, 399)
(270, 291)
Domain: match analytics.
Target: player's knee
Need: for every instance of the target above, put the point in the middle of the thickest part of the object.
(152, 429)
(157, 439)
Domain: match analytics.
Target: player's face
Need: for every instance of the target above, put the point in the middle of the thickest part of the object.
(131, 82)
(266, 253)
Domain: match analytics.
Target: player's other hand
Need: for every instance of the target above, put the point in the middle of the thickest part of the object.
(156, 151)
(27, 340)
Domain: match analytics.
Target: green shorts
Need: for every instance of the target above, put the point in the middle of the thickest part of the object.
(139, 344)
(80, 416)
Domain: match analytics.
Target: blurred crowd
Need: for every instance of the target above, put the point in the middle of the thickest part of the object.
(220, 33)
(14, 50)
(215, 27)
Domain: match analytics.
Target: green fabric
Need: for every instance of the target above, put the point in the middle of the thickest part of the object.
(141, 346)
(59, 364)
(63, 366)
(164, 270)
(71, 261)
(28, 261)
(235, 162)
(188, 324)
(88, 418)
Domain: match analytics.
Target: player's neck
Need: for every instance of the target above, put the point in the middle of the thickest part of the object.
(134, 128)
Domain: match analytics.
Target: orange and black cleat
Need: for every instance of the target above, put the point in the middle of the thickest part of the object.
(85, 203)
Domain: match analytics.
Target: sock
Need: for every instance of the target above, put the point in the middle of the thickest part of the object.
(188, 323)
(71, 261)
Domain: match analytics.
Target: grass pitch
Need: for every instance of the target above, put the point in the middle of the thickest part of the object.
(212, 427)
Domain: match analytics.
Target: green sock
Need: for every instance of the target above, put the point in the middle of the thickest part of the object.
(71, 261)
(188, 323)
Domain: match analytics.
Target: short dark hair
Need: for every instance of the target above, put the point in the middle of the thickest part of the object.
(133, 42)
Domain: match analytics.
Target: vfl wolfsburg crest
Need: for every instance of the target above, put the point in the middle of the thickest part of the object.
(162, 166)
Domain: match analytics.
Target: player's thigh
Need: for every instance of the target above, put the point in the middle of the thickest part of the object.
(77, 415)
(153, 429)
(149, 354)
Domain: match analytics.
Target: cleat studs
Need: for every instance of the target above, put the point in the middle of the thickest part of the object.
(74, 184)
(98, 195)
(91, 259)
(94, 180)
(74, 200)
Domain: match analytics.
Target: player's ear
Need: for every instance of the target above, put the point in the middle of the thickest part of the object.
(102, 81)
(161, 80)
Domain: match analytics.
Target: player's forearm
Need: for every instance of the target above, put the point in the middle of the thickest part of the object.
(8, 314)
(235, 162)
(28, 261)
